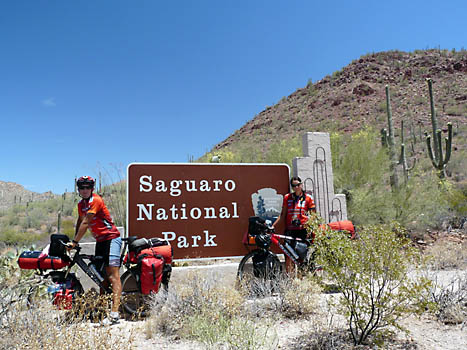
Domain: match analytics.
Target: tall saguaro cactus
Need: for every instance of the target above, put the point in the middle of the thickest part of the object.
(438, 159)
(391, 143)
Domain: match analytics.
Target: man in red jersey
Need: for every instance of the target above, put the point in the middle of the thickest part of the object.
(295, 209)
(94, 215)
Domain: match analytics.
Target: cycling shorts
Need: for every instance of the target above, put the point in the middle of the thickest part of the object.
(109, 251)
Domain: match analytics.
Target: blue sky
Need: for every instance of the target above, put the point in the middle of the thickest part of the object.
(90, 84)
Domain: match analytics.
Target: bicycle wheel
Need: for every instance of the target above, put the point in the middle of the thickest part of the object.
(258, 272)
(133, 302)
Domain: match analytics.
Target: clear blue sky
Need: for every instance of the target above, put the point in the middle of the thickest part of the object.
(88, 83)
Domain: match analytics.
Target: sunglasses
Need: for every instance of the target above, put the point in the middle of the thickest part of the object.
(296, 185)
(85, 187)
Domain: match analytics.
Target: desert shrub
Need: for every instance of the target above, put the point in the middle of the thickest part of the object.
(68, 227)
(361, 172)
(41, 326)
(291, 297)
(357, 162)
(12, 236)
(284, 151)
(372, 274)
(205, 309)
(44, 328)
(446, 255)
(298, 297)
(450, 300)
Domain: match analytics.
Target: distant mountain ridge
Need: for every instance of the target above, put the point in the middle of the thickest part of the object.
(354, 97)
(12, 193)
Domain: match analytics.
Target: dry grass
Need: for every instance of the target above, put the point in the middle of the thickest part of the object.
(45, 327)
(451, 300)
(207, 310)
(448, 255)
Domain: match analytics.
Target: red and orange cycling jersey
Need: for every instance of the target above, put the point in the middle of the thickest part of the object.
(101, 225)
(297, 208)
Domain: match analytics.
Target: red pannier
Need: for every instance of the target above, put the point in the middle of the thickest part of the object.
(152, 265)
(36, 260)
(344, 225)
(63, 299)
(165, 250)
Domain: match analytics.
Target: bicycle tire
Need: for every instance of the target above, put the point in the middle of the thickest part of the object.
(133, 302)
(259, 281)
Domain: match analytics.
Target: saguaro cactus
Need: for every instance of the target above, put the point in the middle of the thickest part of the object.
(440, 161)
(391, 143)
(435, 153)
(403, 158)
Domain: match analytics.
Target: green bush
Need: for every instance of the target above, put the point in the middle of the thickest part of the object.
(68, 228)
(357, 161)
(373, 275)
(12, 236)
(361, 171)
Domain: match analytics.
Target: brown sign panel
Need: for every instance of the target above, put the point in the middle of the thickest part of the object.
(203, 209)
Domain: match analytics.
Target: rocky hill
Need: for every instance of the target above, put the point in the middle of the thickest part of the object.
(12, 193)
(354, 97)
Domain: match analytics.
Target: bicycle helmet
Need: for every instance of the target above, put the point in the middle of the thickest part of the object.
(263, 240)
(85, 181)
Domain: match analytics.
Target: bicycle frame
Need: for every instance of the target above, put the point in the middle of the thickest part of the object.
(80, 260)
(275, 240)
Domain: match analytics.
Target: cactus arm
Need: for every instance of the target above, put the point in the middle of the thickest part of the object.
(413, 165)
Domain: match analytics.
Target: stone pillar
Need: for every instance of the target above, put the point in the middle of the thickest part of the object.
(315, 170)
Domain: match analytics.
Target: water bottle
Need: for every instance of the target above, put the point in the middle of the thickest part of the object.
(53, 288)
(291, 250)
(92, 267)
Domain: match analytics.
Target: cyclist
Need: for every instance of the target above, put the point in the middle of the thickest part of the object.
(296, 207)
(94, 215)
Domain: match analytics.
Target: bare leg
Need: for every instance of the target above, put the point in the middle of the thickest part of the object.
(113, 273)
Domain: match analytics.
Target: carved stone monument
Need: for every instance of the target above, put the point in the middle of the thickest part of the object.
(315, 170)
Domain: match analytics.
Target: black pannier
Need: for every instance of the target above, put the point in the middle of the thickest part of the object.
(256, 225)
(139, 244)
(56, 245)
(301, 249)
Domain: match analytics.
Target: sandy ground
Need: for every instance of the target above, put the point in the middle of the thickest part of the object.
(425, 333)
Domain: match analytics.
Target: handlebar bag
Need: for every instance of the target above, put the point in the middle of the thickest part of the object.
(57, 242)
(33, 260)
(151, 266)
(256, 225)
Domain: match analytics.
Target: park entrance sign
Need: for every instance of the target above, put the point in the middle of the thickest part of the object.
(202, 209)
